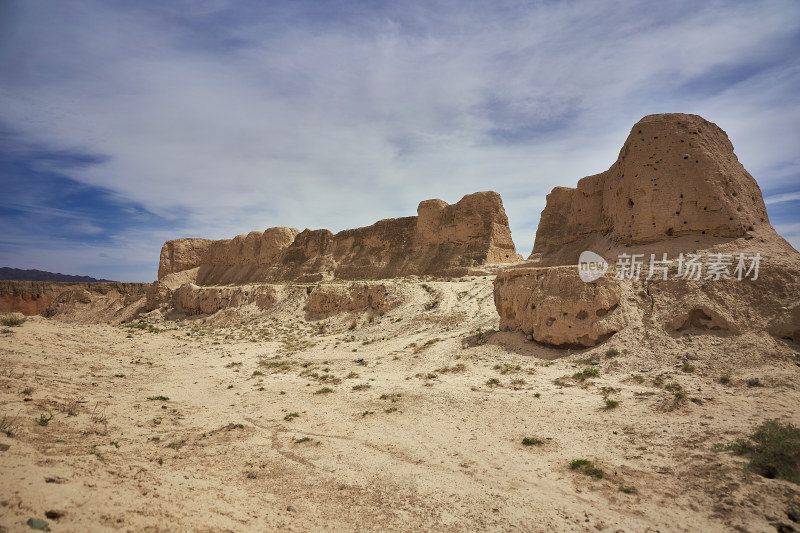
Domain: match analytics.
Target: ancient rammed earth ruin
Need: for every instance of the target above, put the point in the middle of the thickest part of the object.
(676, 188)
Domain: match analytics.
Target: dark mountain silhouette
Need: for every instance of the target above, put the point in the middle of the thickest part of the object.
(17, 274)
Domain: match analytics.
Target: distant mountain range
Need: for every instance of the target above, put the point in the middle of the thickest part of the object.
(17, 274)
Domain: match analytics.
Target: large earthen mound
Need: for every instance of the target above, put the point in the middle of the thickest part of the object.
(677, 189)
(443, 240)
(676, 175)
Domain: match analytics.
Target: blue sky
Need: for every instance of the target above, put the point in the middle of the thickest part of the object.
(124, 124)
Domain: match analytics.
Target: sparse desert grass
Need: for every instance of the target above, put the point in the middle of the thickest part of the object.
(44, 419)
(428, 344)
(725, 379)
(391, 397)
(687, 367)
(159, 397)
(586, 373)
(587, 467)
(275, 366)
(532, 441)
(456, 369)
(611, 404)
(773, 449)
(324, 390)
(362, 386)
(627, 490)
(27, 391)
(144, 326)
(70, 406)
(302, 440)
(611, 352)
(493, 382)
(8, 425)
(505, 368)
(12, 320)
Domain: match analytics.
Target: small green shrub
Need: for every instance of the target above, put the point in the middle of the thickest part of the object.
(578, 463)
(773, 449)
(12, 320)
(160, 397)
(44, 419)
(586, 373)
(587, 467)
(611, 352)
(725, 379)
(532, 441)
(324, 390)
(611, 404)
(291, 416)
(687, 367)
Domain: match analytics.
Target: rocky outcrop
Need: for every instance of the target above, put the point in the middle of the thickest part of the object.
(555, 307)
(191, 299)
(327, 300)
(676, 188)
(50, 298)
(181, 254)
(675, 175)
(442, 239)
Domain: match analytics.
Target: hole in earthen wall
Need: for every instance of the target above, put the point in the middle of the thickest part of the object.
(699, 319)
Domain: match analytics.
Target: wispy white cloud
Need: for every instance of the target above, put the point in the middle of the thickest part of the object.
(779, 198)
(223, 119)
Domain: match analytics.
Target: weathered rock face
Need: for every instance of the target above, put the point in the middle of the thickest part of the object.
(52, 298)
(676, 187)
(191, 299)
(181, 254)
(328, 300)
(555, 307)
(442, 240)
(675, 175)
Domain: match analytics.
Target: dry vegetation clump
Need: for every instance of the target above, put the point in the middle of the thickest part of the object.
(773, 449)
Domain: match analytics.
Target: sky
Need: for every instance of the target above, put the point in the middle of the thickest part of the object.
(125, 124)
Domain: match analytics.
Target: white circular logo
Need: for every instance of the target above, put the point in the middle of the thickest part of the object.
(591, 266)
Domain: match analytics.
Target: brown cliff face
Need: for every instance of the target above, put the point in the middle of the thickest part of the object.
(675, 175)
(676, 187)
(100, 301)
(442, 240)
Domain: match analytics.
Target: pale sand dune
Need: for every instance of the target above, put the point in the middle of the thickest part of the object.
(412, 452)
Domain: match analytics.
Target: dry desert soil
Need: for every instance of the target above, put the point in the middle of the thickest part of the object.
(411, 420)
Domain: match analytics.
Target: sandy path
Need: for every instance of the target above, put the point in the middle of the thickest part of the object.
(422, 444)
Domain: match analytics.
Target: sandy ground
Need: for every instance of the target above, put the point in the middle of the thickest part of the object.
(423, 428)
